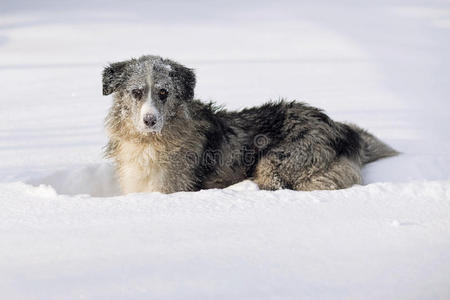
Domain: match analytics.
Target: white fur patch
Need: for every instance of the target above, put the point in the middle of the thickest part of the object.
(148, 108)
(139, 170)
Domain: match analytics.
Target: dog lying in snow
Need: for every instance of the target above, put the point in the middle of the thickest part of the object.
(164, 140)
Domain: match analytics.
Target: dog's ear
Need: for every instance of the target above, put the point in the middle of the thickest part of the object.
(184, 79)
(113, 77)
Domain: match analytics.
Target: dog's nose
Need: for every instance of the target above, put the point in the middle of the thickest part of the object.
(150, 120)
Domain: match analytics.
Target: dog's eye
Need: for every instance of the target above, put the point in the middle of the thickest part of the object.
(163, 93)
(137, 94)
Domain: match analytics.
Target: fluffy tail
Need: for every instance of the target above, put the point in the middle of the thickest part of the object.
(371, 147)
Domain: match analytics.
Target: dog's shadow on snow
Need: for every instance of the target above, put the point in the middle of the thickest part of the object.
(97, 180)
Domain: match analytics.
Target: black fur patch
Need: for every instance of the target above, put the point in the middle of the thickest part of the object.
(113, 77)
(266, 121)
(350, 142)
(183, 77)
(216, 134)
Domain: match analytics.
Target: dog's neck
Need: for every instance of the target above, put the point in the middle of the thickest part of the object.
(142, 162)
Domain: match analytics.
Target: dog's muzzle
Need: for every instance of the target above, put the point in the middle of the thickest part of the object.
(150, 120)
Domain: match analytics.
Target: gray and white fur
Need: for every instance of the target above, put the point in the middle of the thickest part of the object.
(164, 140)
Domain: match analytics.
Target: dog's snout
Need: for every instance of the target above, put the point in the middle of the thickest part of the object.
(149, 120)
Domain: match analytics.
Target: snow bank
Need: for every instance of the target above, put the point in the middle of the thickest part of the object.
(381, 241)
(98, 180)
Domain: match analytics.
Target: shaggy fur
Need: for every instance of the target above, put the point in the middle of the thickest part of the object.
(164, 140)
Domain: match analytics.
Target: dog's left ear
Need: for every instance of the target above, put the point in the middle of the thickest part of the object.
(184, 79)
(113, 77)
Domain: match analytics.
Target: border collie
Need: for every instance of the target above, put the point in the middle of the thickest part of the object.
(164, 140)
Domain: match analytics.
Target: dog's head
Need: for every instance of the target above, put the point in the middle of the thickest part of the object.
(149, 90)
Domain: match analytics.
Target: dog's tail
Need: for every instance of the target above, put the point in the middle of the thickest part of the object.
(371, 147)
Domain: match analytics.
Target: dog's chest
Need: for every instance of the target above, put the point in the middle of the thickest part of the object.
(139, 168)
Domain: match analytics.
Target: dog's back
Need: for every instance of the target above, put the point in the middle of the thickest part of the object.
(282, 145)
(297, 146)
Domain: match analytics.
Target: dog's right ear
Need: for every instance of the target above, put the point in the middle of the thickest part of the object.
(113, 77)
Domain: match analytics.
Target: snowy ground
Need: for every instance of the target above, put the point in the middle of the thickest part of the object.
(65, 233)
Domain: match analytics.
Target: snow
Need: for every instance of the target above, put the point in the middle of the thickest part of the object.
(382, 241)
(66, 232)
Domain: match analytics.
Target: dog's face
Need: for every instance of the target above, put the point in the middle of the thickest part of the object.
(150, 91)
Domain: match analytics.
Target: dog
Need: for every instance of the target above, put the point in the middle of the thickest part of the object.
(164, 140)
